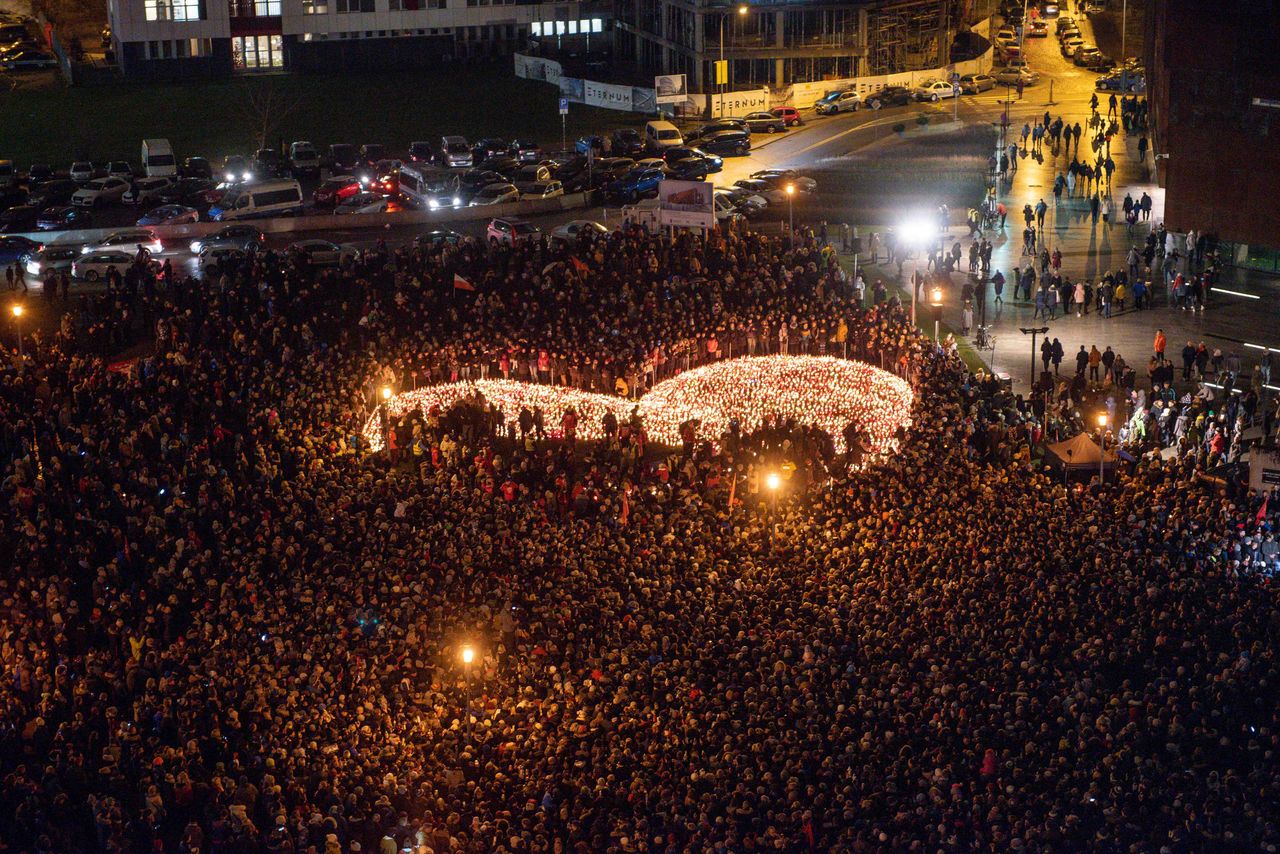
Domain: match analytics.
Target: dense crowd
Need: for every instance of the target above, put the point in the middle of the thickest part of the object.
(228, 627)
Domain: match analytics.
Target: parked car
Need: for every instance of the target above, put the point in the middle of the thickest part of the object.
(542, 190)
(790, 115)
(57, 192)
(196, 167)
(890, 96)
(100, 192)
(63, 218)
(145, 190)
(246, 238)
(13, 196)
(1012, 76)
(748, 204)
(1049, 10)
(120, 169)
(627, 142)
(129, 239)
(212, 259)
(343, 158)
(334, 190)
(235, 168)
(486, 148)
(972, 84)
(1005, 36)
(576, 228)
(764, 123)
(421, 152)
(81, 171)
(371, 203)
(1122, 82)
(474, 180)
(672, 156)
(935, 90)
(511, 231)
(38, 174)
(56, 258)
(712, 128)
(774, 195)
(495, 194)
(267, 164)
(838, 102)
(608, 169)
(437, 237)
(504, 164)
(29, 60)
(356, 201)
(689, 169)
(18, 218)
(92, 266)
(527, 176)
(188, 191)
(455, 152)
(170, 215)
(304, 159)
(782, 177)
(321, 253)
(733, 142)
(1070, 45)
(1085, 54)
(1038, 30)
(636, 184)
(14, 247)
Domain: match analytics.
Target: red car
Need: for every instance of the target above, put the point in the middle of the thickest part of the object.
(336, 190)
(788, 114)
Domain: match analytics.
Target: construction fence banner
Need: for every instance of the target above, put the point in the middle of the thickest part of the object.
(671, 88)
(607, 95)
(537, 68)
(730, 104)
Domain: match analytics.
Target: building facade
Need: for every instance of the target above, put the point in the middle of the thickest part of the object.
(209, 38)
(1213, 86)
(780, 42)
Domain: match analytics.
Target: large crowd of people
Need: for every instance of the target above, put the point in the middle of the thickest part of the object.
(229, 627)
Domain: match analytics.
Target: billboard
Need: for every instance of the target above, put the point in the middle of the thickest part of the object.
(671, 88)
(686, 203)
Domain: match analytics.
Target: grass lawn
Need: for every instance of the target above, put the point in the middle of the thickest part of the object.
(213, 119)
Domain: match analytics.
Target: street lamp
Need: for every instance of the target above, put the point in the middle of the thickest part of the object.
(1102, 442)
(917, 232)
(1039, 330)
(791, 209)
(742, 13)
(468, 655)
(386, 392)
(936, 303)
(773, 482)
(18, 311)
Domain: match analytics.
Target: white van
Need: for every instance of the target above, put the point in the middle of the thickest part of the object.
(659, 135)
(303, 158)
(157, 159)
(273, 198)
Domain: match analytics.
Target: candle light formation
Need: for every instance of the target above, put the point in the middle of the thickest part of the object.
(819, 391)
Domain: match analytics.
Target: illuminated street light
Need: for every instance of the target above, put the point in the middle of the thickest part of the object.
(773, 481)
(1102, 442)
(742, 13)
(791, 209)
(936, 304)
(386, 392)
(919, 233)
(18, 310)
(468, 654)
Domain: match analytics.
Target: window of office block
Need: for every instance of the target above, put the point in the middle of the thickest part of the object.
(174, 10)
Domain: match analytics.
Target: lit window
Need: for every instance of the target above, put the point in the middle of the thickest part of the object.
(536, 28)
(315, 7)
(597, 25)
(559, 28)
(174, 10)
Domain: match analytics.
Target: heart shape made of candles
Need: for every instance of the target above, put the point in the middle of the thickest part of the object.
(820, 391)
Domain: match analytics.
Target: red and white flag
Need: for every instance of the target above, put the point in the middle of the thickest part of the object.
(461, 284)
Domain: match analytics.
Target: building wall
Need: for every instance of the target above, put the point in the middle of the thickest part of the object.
(135, 64)
(1218, 150)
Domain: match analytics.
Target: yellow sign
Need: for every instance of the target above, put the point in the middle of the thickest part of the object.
(722, 72)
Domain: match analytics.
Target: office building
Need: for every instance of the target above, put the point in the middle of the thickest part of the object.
(214, 38)
(1213, 85)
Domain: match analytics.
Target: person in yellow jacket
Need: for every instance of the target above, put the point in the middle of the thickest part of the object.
(620, 386)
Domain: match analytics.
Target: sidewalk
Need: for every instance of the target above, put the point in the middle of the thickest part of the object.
(1091, 249)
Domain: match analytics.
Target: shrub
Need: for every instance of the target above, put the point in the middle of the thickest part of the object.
(899, 128)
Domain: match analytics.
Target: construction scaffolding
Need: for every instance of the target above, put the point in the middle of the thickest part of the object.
(909, 36)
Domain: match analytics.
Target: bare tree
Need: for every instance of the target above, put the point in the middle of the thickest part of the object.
(265, 108)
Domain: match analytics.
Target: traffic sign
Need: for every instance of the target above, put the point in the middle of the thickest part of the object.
(564, 106)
